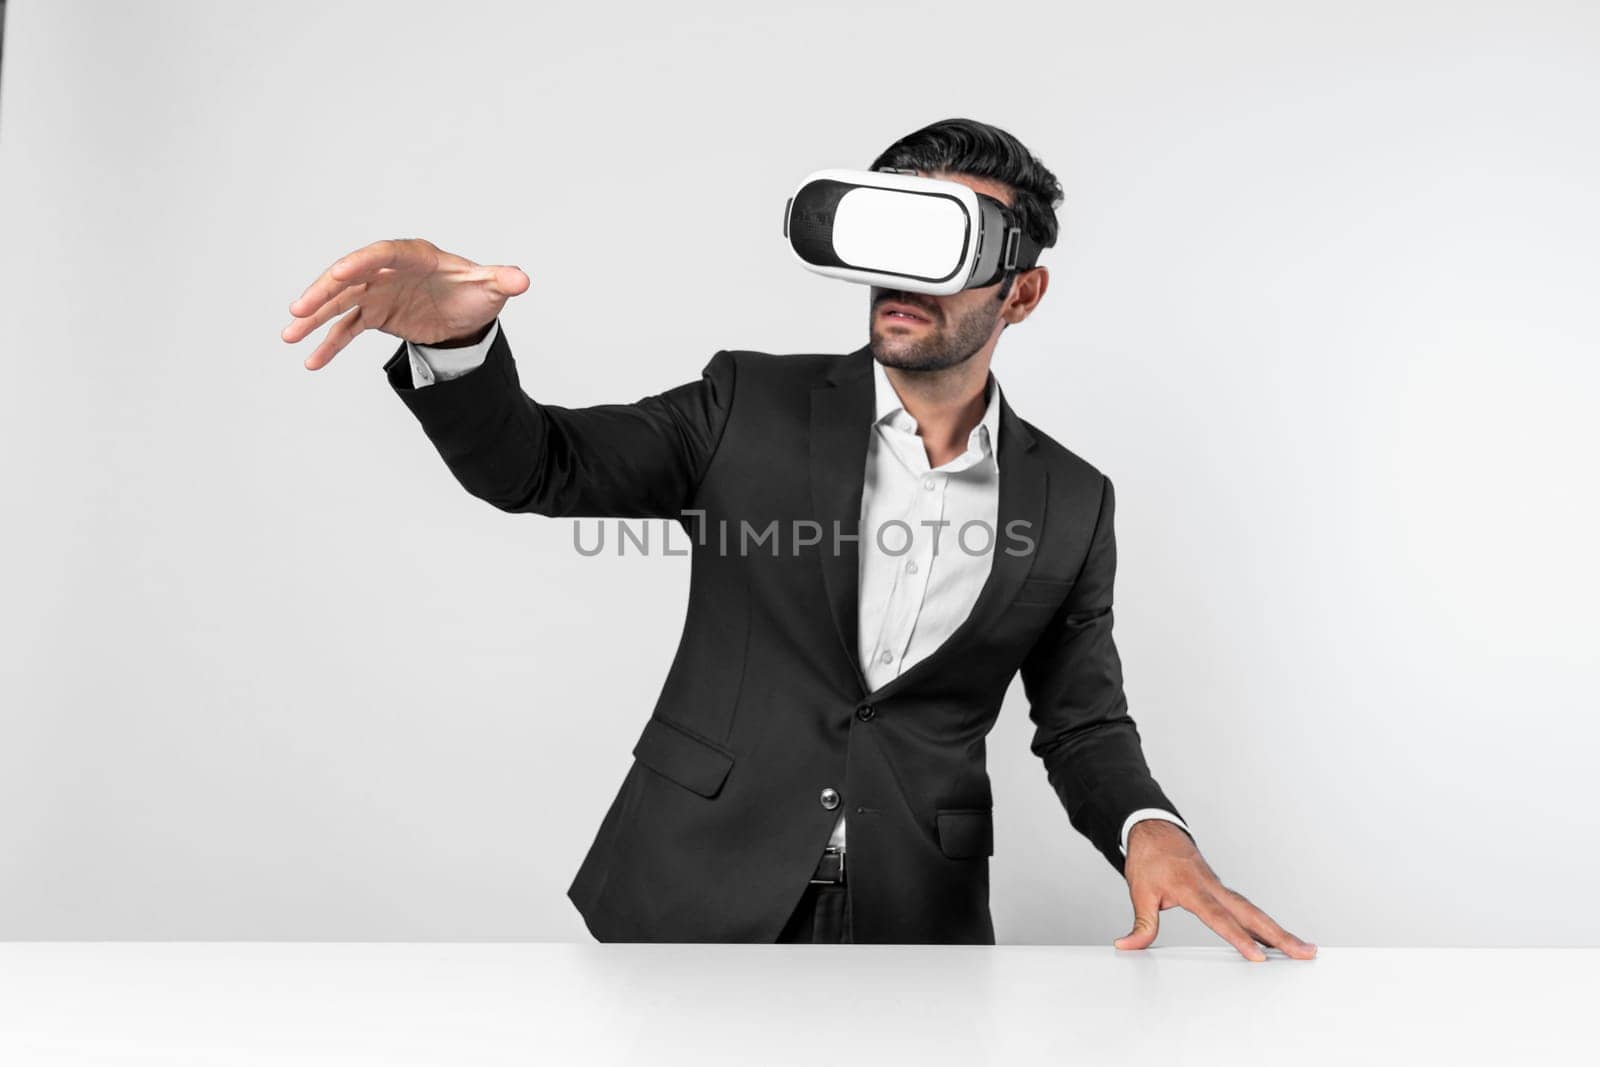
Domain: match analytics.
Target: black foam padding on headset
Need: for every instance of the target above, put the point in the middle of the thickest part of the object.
(811, 222)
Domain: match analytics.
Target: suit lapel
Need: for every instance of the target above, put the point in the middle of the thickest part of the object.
(841, 422)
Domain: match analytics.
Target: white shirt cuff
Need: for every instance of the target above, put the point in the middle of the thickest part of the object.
(430, 364)
(1148, 813)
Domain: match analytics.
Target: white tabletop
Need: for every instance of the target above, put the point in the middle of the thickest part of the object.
(240, 1004)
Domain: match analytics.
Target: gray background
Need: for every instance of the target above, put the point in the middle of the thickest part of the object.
(1322, 308)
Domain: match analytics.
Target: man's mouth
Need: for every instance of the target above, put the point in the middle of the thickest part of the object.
(898, 312)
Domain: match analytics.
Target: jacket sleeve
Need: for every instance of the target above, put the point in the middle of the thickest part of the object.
(639, 460)
(1073, 681)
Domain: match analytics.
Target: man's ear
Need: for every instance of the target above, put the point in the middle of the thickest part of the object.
(1027, 291)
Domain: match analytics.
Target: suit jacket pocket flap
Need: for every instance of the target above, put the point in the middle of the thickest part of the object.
(966, 832)
(688, 759)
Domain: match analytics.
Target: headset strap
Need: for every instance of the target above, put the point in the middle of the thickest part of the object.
(1021, 251)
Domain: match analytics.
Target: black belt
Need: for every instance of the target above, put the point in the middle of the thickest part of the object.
(830, 868)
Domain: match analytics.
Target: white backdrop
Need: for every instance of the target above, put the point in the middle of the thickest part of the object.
(1323, 309)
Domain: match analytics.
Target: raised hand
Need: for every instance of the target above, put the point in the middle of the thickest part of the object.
(1164, 869)
(408, 288)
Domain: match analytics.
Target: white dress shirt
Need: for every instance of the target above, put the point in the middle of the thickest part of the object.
(920, 574)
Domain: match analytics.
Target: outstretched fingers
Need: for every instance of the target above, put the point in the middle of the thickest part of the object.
(1264, 928)
(343, 332)
(1220, 919)
(344, 301)
(362, 265)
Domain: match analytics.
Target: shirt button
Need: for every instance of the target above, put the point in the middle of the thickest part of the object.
(830, 798)
(865, 712)
(927, 483)
(887, 657)
(911, 567)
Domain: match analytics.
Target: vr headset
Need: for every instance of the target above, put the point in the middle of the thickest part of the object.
(894, 229)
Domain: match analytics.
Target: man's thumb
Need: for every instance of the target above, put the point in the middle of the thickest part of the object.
(511, 281)
(1145, 923)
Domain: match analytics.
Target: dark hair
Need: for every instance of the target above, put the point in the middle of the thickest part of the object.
(966, 146)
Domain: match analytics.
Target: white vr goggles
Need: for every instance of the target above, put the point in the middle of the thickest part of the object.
(894, 229)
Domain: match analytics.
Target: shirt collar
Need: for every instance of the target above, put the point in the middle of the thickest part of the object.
(984, 437)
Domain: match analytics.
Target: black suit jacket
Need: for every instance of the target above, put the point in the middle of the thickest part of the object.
(719, 821)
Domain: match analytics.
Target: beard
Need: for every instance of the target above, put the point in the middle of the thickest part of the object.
(940, 344)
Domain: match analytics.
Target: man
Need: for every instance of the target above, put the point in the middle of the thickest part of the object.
(813, 769)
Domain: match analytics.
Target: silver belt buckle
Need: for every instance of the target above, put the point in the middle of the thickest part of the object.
(831, 850)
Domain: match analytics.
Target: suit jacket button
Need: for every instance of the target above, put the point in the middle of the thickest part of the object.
(865, 712)
(830, 799)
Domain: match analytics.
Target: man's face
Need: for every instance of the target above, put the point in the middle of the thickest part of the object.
(952, 328)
